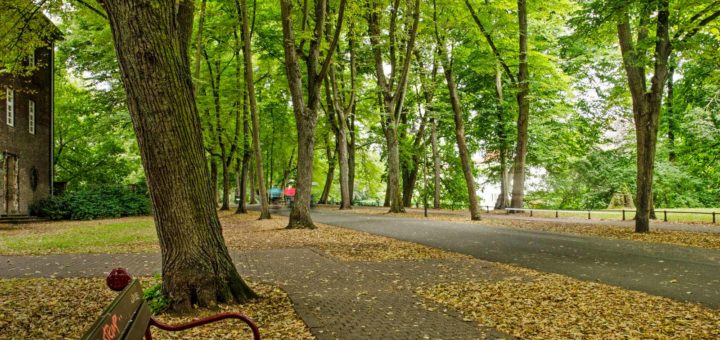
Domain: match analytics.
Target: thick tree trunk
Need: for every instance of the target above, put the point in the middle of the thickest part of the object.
(151, 44)
(214, 180)
(436, 165)
(518, 191)
(241, 6)
(409, 179)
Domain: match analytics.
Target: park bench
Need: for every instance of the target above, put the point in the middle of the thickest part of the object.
(129, 317)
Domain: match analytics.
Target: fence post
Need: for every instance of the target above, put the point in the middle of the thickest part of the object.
(623, 214)
(665, 215)
(556, 214)
(588, 214)
(713, 217)
(531, 214)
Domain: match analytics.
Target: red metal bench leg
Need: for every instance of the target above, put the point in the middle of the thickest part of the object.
(203, 321)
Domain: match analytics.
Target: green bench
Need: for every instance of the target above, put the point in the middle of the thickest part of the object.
(129, 317)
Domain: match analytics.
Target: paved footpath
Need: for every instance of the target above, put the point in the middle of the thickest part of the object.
(337, 300)
(681, 273)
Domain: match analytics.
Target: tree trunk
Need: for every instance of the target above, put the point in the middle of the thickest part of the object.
(392, 93)
(306, 115)
(459, 126)
(518, 191)
(226, 186)
(351, 157)
(502, 200)
(253, 186)
(214, 180)
(241, 6)
(670, 116)
(153, 57)
(247, 156)
(646, 103)
(393, 191)
(330, 173)
(409, 179)
(436, 165)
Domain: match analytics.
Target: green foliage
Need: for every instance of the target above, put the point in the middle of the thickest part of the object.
(89, 203)
(157, 302)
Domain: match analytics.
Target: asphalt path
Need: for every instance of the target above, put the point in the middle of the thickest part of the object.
(678, 272)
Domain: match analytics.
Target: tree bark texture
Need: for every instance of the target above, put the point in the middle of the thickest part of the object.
(151, 40)
(518, 191)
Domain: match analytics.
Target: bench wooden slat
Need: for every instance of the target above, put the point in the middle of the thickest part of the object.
(139, 323)
(114, 320)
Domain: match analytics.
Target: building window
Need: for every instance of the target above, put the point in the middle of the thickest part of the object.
(31, 117)
(10, 106)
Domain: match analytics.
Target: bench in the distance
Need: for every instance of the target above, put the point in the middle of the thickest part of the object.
(129, 317)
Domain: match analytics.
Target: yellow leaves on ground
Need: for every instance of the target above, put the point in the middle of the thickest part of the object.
(546, 306)
(243, 233)
(64, 308)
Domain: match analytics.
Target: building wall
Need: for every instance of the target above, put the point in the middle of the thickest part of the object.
(32, 151)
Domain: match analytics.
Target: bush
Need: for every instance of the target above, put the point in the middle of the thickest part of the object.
(157, 302)
(92, 203)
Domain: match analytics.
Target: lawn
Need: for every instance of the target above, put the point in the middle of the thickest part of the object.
(135, 234)
(677, 215)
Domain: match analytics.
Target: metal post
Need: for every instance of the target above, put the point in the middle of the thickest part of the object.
(588, 214)
(713, 217)
(665, 215)
(530, 212)
(623, 214)
(556, 214)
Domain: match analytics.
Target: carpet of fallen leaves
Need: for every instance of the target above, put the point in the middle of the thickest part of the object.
(551, 306)
(64, 308)
(245, 232)
(683, 238)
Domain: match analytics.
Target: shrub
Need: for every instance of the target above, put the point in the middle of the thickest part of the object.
(157, 302)
(93, 202)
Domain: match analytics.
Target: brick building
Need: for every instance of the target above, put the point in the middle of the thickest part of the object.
(26, 133)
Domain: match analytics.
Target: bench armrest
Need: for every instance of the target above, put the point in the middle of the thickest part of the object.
(203, 321)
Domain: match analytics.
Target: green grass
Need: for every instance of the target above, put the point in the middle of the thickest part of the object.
(136, 235)
(679, 215)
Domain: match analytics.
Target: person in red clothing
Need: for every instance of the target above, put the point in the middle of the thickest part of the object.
(289, 194)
